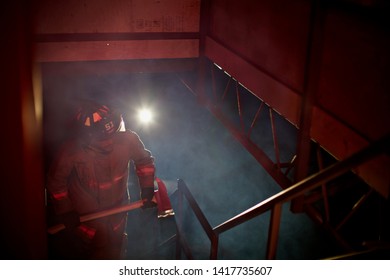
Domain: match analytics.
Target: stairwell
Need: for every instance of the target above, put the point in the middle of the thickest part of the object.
(225, 180)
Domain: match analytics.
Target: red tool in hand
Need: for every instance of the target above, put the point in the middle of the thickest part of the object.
(164, 208)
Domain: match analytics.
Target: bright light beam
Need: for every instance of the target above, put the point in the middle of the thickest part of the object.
(145, 116)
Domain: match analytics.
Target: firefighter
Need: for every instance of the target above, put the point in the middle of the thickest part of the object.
(90, 174)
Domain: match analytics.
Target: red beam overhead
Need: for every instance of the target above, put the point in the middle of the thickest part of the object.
(63, 69)
(112, 30)
(116, 50)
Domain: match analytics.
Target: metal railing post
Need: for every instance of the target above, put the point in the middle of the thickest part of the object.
(179, 215)
(273, 231)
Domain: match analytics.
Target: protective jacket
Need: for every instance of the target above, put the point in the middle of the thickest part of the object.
(92, 176)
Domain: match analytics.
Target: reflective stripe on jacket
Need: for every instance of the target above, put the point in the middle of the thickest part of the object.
(89, 177)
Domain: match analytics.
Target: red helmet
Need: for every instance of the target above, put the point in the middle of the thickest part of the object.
(98, 120)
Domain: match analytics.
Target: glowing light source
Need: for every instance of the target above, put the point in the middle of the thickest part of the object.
(145, 115)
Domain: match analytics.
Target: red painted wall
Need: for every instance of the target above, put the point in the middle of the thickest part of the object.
(271, 35)
(354, 84)
(265, 45)
(22, 200)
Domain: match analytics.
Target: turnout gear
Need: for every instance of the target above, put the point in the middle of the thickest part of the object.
(147, 182)
(91, 175)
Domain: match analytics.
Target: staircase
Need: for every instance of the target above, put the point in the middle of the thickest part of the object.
(354, 216)
(225, 182)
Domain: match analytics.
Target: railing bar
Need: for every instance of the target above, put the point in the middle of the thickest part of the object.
(226, 88)
(308, 183)
(253, 149)
(178, 247)
(195, 207)
(186, 85)
(183, 245)
(312, 212)
(255, 119)
(273, 232)
(275, 138)
(239, 108)
(356, 206)
(323, 186)
(179, 214)
(291, 165)
(213, 86)
(214, 248)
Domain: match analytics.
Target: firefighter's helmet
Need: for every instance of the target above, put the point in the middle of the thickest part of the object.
(98, 120)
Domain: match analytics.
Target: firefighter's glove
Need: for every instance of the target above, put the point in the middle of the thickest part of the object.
(147, 194)
(70, 219)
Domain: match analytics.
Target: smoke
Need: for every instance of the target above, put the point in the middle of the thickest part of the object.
(187, 143)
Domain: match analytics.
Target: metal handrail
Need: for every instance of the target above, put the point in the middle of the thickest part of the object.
(274, 202)
(308, 183)
(182, 187)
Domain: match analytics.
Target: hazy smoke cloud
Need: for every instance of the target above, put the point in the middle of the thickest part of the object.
(188, 143)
